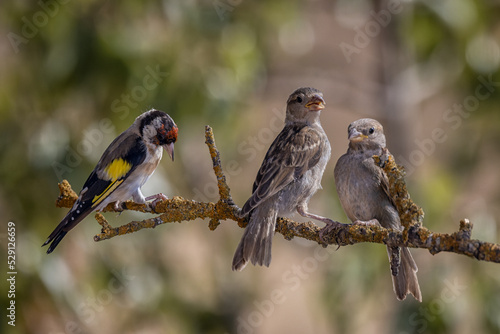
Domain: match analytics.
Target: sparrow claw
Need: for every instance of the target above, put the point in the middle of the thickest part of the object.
(331, 225)
(158, 198)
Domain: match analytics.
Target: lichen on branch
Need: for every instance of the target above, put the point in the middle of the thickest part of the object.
(178, 209)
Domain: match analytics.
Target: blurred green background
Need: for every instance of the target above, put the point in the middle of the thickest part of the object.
(74, 75)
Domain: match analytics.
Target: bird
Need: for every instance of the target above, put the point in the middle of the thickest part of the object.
(122, 170)
(289, 176)
(363, 190)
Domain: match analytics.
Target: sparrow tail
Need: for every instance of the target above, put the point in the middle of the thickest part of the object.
(406, 281)
(257, 240)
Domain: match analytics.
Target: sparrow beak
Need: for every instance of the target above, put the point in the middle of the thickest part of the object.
(170, 150)
(356, 136)
(316, 103)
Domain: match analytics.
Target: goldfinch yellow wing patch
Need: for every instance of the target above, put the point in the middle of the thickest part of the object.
(117, 169)
(113, 172)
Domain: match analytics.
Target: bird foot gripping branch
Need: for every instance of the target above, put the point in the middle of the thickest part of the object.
(178, 209)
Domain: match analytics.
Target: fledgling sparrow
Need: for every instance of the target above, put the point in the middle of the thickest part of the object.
(288, 177)
(363, 189)
(124, 167)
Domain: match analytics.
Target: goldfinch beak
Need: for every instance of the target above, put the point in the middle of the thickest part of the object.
(356, 136)
(317, 103)
(170, 150)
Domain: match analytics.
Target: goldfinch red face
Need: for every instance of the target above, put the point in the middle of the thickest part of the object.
(158, 128)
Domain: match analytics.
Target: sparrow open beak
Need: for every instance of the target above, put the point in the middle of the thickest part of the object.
(170, 150)
(356, 136)
(316, 103)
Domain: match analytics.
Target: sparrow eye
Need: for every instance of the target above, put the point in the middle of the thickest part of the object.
(299, 99)
(371, 131)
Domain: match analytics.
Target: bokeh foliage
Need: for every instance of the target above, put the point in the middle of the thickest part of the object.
(74, 77)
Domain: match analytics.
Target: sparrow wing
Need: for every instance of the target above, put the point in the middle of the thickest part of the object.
(295, 150)
(378, 174)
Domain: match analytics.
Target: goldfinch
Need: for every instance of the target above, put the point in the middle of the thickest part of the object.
(124, 167)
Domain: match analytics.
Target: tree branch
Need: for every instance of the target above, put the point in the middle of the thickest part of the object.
(414, 235)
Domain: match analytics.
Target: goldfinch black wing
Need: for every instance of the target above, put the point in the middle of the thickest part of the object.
(113, 169)
(119, 160)
(292, 153)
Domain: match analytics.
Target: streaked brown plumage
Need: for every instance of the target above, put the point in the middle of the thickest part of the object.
(288, 177)
(363, 190)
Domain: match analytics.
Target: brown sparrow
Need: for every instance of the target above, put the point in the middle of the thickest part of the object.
(288, 177)
(363, 189)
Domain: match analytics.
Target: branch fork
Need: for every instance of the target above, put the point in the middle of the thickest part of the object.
(414, 235)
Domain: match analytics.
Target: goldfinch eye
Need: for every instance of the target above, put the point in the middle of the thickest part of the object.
(299, 99)
(371, 131)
